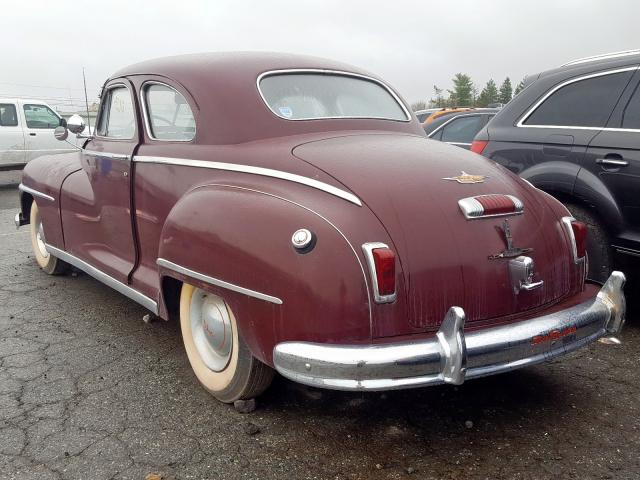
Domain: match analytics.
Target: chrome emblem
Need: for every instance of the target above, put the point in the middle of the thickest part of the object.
(511, 251)
(464, 177)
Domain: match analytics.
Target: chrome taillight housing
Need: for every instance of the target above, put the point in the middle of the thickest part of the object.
(577, 232)
(381, 261)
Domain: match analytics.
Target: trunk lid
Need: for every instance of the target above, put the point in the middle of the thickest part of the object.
(444, 256)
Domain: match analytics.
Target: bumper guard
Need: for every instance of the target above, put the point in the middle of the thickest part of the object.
(453, 356)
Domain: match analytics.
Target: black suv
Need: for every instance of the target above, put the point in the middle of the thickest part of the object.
(574, 132)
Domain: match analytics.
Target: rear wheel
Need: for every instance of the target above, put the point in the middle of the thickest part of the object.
(599, 251)
(47, 262)
(217, 353)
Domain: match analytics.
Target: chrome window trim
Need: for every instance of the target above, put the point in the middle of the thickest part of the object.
(266, 172)
(108, 280)
(145, 114)
(114, 156)
(627, 251)
(162, 262)
(343, 73)
(99, 116)
(529, 112)
(451, 120)
(604, 56)
(35, 193)
(368, 249)
(459, 143)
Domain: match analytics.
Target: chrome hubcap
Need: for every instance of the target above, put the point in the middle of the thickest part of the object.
(40, 239)
(211, 329)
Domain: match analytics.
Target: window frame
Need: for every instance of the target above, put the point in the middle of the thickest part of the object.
(15, 111)
(101, 112)
(145, 112)
(520, 123)
(26, 122)
(321, 71)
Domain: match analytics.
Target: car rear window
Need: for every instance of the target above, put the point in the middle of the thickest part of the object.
(584, 103)
(462, 129)
(311, 96)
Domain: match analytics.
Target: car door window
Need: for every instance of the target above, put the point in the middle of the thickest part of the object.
(40, 116)
(462, 129)
(117, 118)
(8, 115)
(584, 103)
(169, 116)
(631, 115)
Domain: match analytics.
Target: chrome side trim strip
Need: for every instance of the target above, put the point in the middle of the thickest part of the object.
(218, 283)
(115, 156)
(627, 251)
(108, 280)
(530, 111)
(332, 72)
(265, 172)
(35, 193)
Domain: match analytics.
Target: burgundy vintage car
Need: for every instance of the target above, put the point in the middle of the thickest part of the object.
(293, 215)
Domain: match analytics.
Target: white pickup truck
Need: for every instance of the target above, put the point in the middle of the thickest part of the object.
(26, 132)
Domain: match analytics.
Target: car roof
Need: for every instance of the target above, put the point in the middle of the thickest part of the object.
(240, 114)
(586, 65)
(430, 127)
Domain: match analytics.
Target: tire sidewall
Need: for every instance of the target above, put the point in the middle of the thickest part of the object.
(228, 384)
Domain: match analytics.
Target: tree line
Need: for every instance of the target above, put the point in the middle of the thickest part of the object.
(465, 94)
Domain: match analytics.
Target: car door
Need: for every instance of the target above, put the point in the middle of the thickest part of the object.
(39, 123)
(614, 157)
(96, 200)
(11, 136)
(460, 130)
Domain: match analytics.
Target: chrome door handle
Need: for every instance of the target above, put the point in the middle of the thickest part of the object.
(527, 287)
(612, 162)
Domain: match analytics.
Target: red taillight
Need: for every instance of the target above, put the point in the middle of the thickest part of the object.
(580, 233)
(478, 146)
(385, 262)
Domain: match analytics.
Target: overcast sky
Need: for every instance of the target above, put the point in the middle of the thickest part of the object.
(412, 44)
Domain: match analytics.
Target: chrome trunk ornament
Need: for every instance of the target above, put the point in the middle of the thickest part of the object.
(511, 251)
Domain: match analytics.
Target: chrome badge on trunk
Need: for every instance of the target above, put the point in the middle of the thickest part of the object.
(510, 251)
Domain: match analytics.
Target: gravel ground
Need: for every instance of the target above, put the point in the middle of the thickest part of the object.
(89, 391)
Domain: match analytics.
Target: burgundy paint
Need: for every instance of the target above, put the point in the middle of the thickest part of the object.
(237, 227)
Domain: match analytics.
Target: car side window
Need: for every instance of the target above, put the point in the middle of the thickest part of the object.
(462, 129)
(584, 103)
(631, 114)
(8, 115)
(168, 114)
(40, 116)
(117, 117)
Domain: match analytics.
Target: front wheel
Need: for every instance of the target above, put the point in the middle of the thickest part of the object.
(47, 262)
(217, 353)
(598, 245)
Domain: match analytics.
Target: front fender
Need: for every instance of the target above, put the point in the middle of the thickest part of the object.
(243, 237)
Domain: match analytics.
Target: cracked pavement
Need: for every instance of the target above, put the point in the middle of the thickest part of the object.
(89, 391)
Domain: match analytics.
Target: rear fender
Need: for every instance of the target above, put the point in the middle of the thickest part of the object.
(220, 233)
(590, 190)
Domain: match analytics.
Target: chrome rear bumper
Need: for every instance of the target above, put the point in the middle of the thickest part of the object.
(453, 356)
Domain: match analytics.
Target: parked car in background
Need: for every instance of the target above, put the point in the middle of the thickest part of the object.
(26, 132)
(459, 127)
(421, 115)
(327, 238)
(574, 132)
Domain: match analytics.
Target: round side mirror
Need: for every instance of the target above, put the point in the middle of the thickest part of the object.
(61, 133)
(75, 124)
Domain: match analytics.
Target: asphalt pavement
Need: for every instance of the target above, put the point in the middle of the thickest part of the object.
(89, 391)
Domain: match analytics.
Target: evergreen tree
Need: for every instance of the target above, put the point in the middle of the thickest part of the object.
(462, 93)
(439, 101)
(506, 91)
(519, 88)
(489, 94)
(421, 105)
